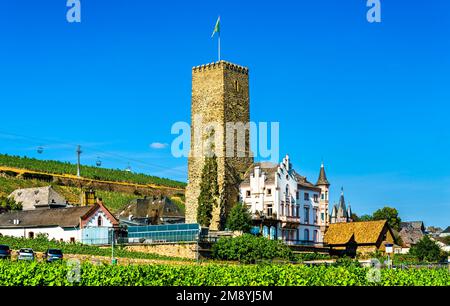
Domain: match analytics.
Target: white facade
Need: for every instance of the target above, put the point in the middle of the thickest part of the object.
(85, 219)
(56, 232)
(284, 204)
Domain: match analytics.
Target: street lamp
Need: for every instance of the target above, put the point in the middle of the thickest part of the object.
(389, 250)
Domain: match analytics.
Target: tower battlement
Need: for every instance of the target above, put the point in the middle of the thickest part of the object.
(221, 64)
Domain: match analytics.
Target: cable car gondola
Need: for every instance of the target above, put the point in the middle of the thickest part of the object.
(40, 150)
(98, 162)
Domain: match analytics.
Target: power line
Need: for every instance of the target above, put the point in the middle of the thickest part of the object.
(110, 154)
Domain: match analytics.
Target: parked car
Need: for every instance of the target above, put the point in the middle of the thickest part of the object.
(5, 252)
(26, 254)
(53, 255)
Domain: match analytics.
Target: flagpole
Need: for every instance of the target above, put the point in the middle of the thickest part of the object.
(219, 46)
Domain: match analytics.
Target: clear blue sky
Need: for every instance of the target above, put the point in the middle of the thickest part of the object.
(371, 99)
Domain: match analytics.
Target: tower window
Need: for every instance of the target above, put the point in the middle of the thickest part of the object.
(236, 86)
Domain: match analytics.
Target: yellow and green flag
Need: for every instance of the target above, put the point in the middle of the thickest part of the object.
(216, 28)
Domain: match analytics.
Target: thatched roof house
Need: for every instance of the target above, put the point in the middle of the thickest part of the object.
(362, 237)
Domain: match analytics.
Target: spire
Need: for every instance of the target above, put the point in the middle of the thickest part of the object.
(342, 210)
(322, 177)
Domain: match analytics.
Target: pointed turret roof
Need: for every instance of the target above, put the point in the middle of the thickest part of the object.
(322, 177)
(342, 209)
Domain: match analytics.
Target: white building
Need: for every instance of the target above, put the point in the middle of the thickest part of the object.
(87, 224)
(284, 204)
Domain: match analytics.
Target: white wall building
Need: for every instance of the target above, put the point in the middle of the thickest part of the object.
(70, 224)
(284, 204)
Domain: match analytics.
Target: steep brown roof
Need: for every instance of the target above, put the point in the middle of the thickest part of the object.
(410, 235)
(63, 217)
(364, 232)
(322, 177)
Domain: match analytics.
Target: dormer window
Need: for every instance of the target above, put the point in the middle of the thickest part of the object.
(247, 193)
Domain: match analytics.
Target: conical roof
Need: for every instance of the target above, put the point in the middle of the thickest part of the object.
(322, 177)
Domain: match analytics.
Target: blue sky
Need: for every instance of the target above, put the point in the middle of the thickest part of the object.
(370, 99)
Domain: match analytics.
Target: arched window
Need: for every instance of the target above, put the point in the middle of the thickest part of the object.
(316, 236)
(306, 235)
(99, 221)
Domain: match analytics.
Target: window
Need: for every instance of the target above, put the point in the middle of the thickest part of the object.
(322, 216)
(316, 236)
(306, 214)
(316, 198)
(306, 235)
(316, 215)
(282, 210)
(323, 196)
(306, 197)
(247, 193)
(269, 210)
(31, 235)
(297, 195)
(236, 85)
(72, 239)
(269, 191)
(99, 221)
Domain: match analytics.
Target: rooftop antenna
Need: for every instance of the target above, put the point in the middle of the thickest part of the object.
(78, 160)
(128, 169)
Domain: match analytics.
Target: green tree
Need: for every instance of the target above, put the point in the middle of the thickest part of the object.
(240, 219)
(9, 204)
(426, 250)
(365, 218)
(209, 192)
(390, 214)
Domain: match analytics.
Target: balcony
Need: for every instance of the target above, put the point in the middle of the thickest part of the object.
(290, 219)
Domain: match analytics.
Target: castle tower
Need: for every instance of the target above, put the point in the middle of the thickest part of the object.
(324, 185)
(220, 100)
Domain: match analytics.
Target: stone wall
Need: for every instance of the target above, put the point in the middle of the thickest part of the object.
(220, 95)
(180, 250)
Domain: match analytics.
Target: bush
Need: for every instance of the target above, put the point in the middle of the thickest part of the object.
(250, 249)
(347, 262)
(426, 250)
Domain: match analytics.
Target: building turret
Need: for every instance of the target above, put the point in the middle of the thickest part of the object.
(322, 181)
(324, 186)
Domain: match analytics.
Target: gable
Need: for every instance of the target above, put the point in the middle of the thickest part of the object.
(363, 232)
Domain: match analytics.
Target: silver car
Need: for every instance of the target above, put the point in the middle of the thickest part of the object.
(26, 254)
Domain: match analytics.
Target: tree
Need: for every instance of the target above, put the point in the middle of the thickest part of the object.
(426, 250)
(390, 214)
(365, 218)
(8, 204)
(240, 219)
(209, 191)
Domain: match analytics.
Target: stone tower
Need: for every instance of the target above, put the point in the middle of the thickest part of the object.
(324, 185)
(220, 99)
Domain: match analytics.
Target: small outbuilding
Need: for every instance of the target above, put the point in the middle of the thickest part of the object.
(358, 237)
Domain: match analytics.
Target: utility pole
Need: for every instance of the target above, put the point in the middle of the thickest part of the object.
(78, 160)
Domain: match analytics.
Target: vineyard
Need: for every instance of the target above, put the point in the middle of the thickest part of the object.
(42, 274)
(90, 172)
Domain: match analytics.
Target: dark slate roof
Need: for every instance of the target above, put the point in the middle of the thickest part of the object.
(303, 182)
(322, 177)
(410, 235)
(270, 169)
(63, 217)
(152, 208)
(413, 224)
(447, 230)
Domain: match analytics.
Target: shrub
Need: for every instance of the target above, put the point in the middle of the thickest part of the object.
(426, 250)
(239, 219)
(250, 249)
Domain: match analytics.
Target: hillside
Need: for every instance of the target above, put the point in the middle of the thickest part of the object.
(117, 188)
(95, 173)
